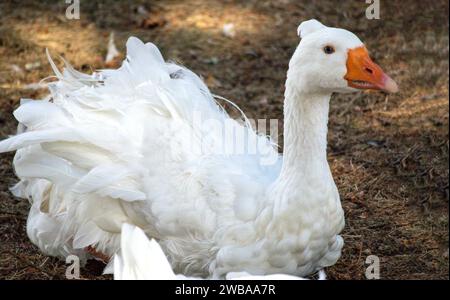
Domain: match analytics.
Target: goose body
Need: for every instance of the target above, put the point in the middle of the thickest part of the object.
(145, 145)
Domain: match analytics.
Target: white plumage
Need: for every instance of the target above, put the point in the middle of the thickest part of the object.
(131, 146)
(141, 259)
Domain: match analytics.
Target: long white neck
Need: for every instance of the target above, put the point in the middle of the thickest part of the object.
(305, 133)
(305, 165)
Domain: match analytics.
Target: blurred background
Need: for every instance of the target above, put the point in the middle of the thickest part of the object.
(388, 154)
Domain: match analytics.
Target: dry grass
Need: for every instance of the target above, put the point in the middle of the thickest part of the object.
(389, 155)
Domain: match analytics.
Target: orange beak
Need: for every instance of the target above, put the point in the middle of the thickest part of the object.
(363, 73)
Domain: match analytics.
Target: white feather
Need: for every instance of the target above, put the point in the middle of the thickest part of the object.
(112, 49)
(140, 258)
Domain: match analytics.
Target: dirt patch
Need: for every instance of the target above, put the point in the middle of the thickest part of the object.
(389, 155)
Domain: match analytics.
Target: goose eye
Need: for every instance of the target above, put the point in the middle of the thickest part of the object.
(328, 49)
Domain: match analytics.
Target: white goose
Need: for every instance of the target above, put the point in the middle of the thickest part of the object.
(126, 146)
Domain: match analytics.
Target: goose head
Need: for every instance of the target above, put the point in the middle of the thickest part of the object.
(334, 60)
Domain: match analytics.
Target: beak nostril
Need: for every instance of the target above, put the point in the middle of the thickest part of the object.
(368, 70)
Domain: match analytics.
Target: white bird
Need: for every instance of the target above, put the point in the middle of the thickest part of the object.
(144, 145)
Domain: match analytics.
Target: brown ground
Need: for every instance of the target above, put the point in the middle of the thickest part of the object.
(389, 155)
